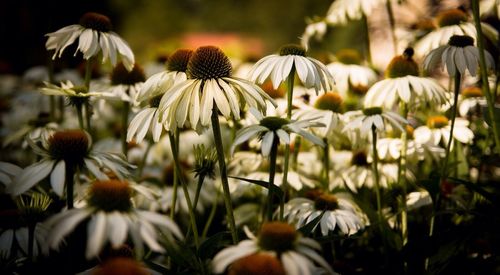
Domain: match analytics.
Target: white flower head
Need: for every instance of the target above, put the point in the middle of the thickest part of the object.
(458, 56)
(124, 84)
(343, 10)
(403, 84)
(296, 253)
(312, 73)
(271, 128)
(112, 219)
(373, 117)
(209, 86)
(63, 150)
(451, 22)
(349, 72)
(339, 213)
(314, 30)
(438, 129)
(94, 36)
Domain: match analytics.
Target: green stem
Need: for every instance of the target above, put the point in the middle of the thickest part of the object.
(367, 39)
(70, 182)
(326, 164)
(484, 73)
(375, 173)
(210, 217)
(289, 99)
(198, 190)
(31, 241)
(296, 149)
(272, 172)
(192, 218)
(392, 23)
(125, 111)
(223, 172)
(140, 169)
(176, 177)
(444, 168)
(402, 177)
(79, 113)
(88, 77)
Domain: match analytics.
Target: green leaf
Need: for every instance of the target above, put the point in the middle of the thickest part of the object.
(309, 227)
(478, 189)
(276, 190)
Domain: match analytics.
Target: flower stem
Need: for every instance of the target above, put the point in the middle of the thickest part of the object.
(125, 111)
(198, 190)
(211, 216)
(140, 169)
(490, 99)
(79, 113)
(88, 76)
(223, 173)
(289, 98)
(326, 164)
(375, 173)
(402, 177)
(192, 218)
(392, 23)
(272, 172)
(444, 168)
(176, 178)
(70, 182)
(367, 39)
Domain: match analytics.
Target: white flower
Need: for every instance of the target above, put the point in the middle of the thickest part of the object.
(296, 253)
(438, 129)
(451, 22)
(94, 36)
(418, 199)
(489, 7)
(343, 10)
(339, 213)
(18, 237)
(112, 219)
(8, 171)
(277, 67)
(271, 128)
(66, 149)
(459, 54)
(315, 30)
(368, 118)
(151, 91)
(351, 75)
(68, 89)
(209, 85)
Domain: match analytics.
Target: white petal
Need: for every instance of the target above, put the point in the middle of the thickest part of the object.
(58, 177)
(267, 143)
(96, 233)
(30, 176)
(117, 229)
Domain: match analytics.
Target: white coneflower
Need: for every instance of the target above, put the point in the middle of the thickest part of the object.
(152, 91)
(368, 118)
(471, 100)
(438, 129)
(341, 11)
(339, 213)
(451, 22)
(312, 73)
(458, 55)
(280, 240)
(112, 218)
(271, 128)
(8, 172)
(349, 73)
(124, 84)
(63, 152)
(209, 84)
(314, 30)
(403, 84)
(94, 36)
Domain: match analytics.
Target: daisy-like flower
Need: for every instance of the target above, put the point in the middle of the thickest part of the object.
(15, 224)
(152, 91)
(373, 117)
(258, 263)
(339, 213)
(8, 172)
(94, 36)
(314, 30)
(458, 55)
(438, 129)
(111, 218)
(349, 73)
(403, 83)
(124, 84)
(63, 151)
(209, 87)
(271, 128)
(451, 22)
(280, 240)
(312, 73)
(471, 99)
(343, 10)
